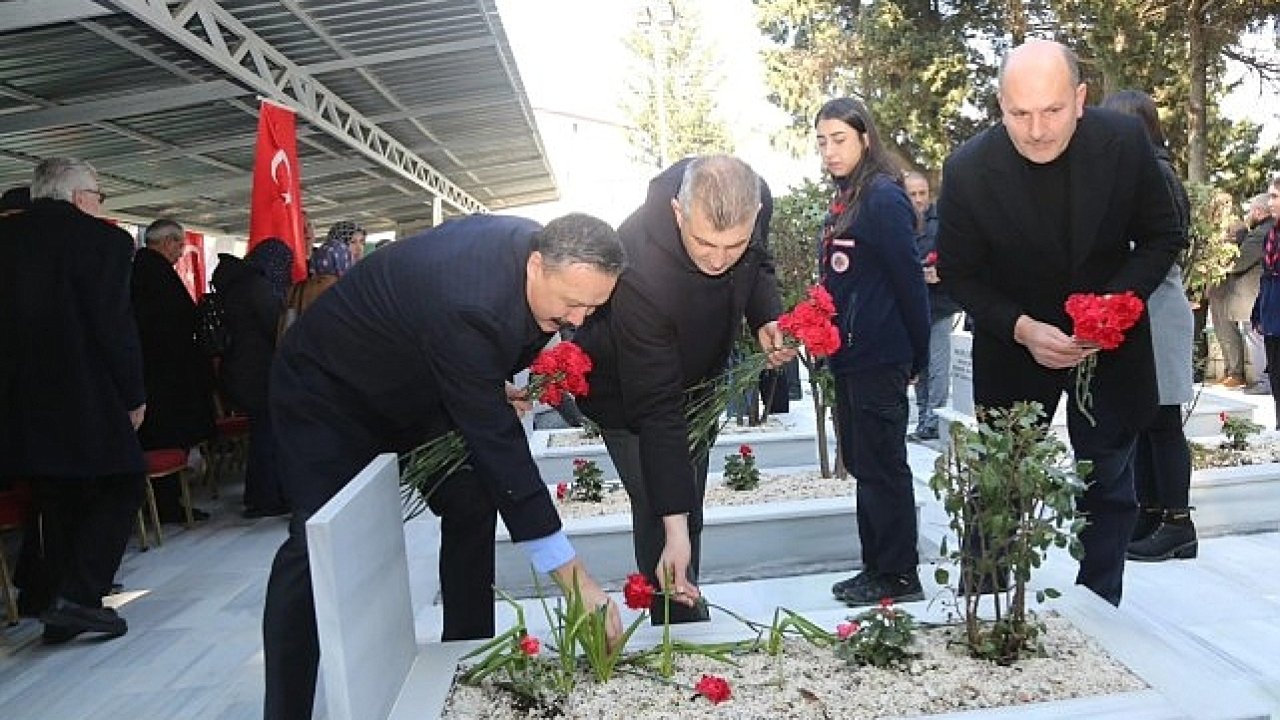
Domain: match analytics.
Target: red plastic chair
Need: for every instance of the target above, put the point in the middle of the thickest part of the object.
(15, 505)
(159, 464)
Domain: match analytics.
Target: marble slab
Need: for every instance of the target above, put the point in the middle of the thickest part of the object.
(360, 577)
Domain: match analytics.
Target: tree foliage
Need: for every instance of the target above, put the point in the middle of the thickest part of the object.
(671, 87)
(927, 68)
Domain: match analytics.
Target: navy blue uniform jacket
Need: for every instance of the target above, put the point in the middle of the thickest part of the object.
(415, 340)
(667, 328)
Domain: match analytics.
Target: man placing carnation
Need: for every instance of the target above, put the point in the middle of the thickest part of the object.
(416, 341)
(697, 262)
(1059, 200)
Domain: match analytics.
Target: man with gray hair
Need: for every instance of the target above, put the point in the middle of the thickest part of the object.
(71, 391)
(1244, 280)
(416, 341)
(697, 263)
(178, 375)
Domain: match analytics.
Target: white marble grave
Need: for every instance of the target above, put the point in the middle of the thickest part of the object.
(360, 577)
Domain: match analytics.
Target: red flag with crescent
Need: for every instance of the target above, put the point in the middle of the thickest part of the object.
(276, 205)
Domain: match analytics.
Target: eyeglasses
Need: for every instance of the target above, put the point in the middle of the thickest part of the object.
(102, 197)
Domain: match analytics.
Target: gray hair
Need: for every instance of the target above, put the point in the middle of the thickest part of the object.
(581, 238)
(163, 229)
(59, 178)
(726, 189)
(1258, 202)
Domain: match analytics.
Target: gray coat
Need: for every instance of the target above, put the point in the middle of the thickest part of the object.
(1172, 328)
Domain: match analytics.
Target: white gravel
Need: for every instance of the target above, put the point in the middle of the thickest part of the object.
(576, 438)
(808, 682)
(773, 486)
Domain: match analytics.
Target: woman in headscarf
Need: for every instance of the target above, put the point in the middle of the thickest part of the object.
(335, 255)
(253, 292)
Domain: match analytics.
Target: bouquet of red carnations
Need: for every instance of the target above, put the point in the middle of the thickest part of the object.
(1099, 321)
(807, 327)
(555, 373)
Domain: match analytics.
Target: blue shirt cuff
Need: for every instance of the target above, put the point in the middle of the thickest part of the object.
(548, 553)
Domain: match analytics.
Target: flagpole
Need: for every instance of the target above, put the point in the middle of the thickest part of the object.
(277, 103)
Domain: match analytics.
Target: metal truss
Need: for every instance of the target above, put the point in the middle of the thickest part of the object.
(214, 34)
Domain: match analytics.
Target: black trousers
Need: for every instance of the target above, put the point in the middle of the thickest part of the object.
(262, 488)
(648, 535)
(1108, 503)
(871, 419)
(87, 522)
(290, 640)
(1162, 462)
(1271, 344)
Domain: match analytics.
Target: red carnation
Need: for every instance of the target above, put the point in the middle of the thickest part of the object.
(562, 489)
(931, 258)
(1101, 321)
(715, 689)
(638, 593)
(809, 323)
(558, 371)
(745, 450)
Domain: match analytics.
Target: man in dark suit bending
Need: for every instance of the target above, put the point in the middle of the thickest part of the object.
(417, 340)
(1057, 200)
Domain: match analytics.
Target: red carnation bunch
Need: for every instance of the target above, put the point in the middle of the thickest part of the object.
(1099, 320)
(559, 370)
(809, 322)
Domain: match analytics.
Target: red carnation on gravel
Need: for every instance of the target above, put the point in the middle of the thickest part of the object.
(562, 489)
(713, 688)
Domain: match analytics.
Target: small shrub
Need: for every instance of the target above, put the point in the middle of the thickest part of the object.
(588, 481)
(740, 472)
(881, 636)
(1238, 431)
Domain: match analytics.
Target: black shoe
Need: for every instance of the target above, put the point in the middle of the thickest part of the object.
(1148, 520)
(253, 513)
(862, 578)
(1173, 539)
(898, 588)
(66, 620)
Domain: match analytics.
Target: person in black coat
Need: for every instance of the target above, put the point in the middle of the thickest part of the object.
(416, 340)
(252, 292)
(71, 390)
(178, 375)
(1056, 200)
(696, 263)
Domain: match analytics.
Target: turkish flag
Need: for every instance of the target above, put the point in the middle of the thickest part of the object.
(276, 207)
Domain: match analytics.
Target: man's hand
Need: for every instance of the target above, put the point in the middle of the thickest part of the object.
(771, 340)
(592, 596)
(137, 415)
(1050, 346)
(930, 275)
(519, 399)
(674, 562)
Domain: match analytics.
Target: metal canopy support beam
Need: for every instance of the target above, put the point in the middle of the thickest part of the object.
(392, 56)
(224, 41)
(19, 14)
(117, 107)
(212, 188)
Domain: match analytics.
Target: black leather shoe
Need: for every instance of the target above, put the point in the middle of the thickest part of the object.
(848, 584)
(898, 588)
(1173, 539)
(65, 620)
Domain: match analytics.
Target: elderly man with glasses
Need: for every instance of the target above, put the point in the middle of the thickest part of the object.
(71, 391)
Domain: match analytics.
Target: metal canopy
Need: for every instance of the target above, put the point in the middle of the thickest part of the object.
(401, 105)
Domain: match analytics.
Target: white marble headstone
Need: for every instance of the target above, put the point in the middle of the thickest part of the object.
(962, 372)
(361, 586)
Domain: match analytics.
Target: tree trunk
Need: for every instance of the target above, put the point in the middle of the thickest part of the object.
(1197, 116)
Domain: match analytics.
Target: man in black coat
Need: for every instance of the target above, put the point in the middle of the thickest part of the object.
(71, 391)
(414, 341)
(697, 262)
(1058, 200)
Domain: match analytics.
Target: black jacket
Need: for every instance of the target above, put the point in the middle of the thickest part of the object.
(941, 304)
(667, 328)
(72, 367)
(416, 339)
(179, 377)
(993, 252)
(251, 316)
